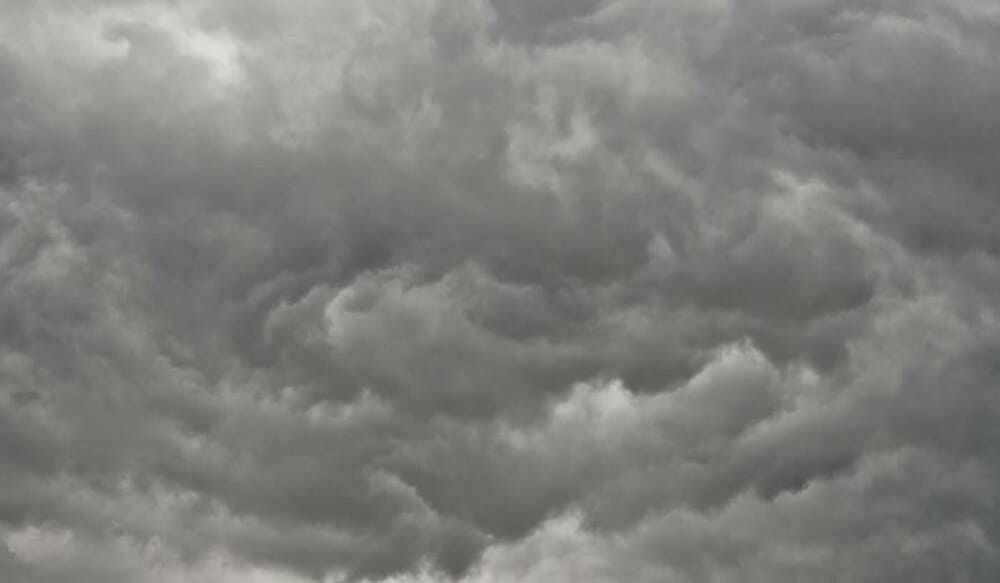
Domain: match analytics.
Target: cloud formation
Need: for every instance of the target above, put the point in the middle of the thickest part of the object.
(493, 291)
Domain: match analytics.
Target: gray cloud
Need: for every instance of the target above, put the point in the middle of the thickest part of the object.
(496, 291)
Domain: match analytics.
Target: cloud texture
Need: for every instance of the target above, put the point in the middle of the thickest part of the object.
(499, 291)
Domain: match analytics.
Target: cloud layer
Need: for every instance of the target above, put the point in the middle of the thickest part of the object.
(499, 290)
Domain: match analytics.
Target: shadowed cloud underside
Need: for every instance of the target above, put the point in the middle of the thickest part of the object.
(496, 291)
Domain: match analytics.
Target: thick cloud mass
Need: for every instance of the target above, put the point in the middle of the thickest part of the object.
(499, 291)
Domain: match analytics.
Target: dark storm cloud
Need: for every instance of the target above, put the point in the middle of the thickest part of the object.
(489, 291)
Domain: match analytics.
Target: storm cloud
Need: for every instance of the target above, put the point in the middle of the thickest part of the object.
(499, 291)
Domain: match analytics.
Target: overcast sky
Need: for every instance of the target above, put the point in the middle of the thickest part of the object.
(499, 291)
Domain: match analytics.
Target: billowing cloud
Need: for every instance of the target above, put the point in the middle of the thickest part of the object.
(493, 291)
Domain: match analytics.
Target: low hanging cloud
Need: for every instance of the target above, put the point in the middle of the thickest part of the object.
(492, 291)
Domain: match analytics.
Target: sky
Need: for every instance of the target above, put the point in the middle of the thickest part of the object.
(499, 291)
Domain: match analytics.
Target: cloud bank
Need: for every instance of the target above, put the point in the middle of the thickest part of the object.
(499, 291)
